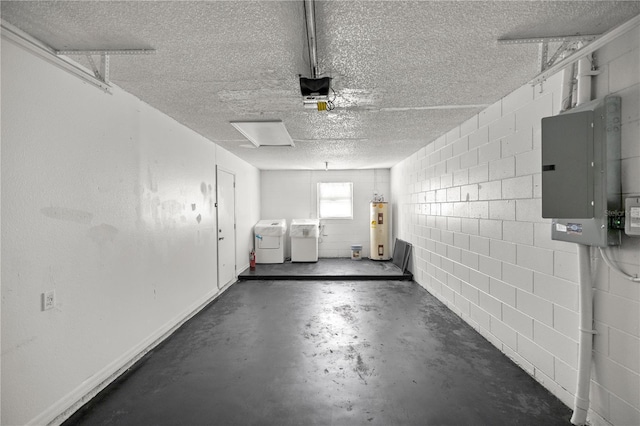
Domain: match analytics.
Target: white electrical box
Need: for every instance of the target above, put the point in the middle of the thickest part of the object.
(632, 216)
(581, 173)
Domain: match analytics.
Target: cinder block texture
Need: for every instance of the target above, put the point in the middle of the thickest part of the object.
(509, 279)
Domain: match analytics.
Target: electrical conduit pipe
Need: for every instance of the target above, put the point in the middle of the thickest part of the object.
(584, 80)
(585, 344)
(581, 401)
(566, 88)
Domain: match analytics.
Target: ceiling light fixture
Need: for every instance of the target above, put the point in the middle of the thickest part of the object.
(264, 133)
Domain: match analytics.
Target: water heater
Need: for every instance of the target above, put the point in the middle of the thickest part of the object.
(380, 229)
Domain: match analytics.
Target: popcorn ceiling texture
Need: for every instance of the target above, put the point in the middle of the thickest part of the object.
(99, 190)
(391, 62)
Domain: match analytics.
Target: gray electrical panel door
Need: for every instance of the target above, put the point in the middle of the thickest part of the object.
(567, 166)
(581, 189)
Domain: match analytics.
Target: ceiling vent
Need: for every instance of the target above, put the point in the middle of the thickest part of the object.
(264, 133)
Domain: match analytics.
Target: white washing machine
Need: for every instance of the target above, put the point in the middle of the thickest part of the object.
(304, 240)
(269, 240)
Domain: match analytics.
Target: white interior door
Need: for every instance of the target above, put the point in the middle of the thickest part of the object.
(226, 227)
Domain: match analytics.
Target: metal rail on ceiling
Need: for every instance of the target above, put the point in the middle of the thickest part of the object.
(26, 41)
(589, 48)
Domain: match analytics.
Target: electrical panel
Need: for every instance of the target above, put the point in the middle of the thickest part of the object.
(581, 189)
(567, 174)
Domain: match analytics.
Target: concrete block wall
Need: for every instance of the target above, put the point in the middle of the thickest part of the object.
(292, 194)
(470, 203)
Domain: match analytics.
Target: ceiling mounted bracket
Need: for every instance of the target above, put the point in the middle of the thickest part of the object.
(569, 43)
(564, 47)
(102, 73)
(38, 48)
(558, 39)
(543, 53)
(596, 44)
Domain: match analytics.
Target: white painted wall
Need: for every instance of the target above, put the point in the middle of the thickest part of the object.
(100, 195)
(293, 195)
(470, 203)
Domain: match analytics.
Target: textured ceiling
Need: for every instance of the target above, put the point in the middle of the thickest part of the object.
(404, 72)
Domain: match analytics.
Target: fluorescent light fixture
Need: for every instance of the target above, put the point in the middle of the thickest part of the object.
(264, 133)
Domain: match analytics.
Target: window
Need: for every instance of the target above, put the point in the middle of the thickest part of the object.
(335, 200)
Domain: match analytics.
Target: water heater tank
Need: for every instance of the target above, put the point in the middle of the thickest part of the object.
(380, 231)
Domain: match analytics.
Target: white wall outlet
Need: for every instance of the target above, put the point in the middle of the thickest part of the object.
(48, 300)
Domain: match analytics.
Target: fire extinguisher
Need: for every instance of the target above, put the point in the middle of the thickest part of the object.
(252, 260)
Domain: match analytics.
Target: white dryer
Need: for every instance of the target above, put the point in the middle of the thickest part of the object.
(269, 240)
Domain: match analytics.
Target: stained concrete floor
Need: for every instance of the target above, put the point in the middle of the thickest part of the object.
(325, 353)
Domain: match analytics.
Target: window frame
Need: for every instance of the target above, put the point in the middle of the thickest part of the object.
(319, 201)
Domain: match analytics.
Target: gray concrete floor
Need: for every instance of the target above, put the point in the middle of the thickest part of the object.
(325, 353)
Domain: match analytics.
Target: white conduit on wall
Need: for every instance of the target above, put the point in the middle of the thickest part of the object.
(581, 400)
(616, 268)
(585, 344)
(584, 80)
(584, 58)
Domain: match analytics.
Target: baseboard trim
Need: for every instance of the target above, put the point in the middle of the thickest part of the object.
(61, 410)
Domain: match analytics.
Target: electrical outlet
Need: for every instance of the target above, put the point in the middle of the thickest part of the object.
(48, 300)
